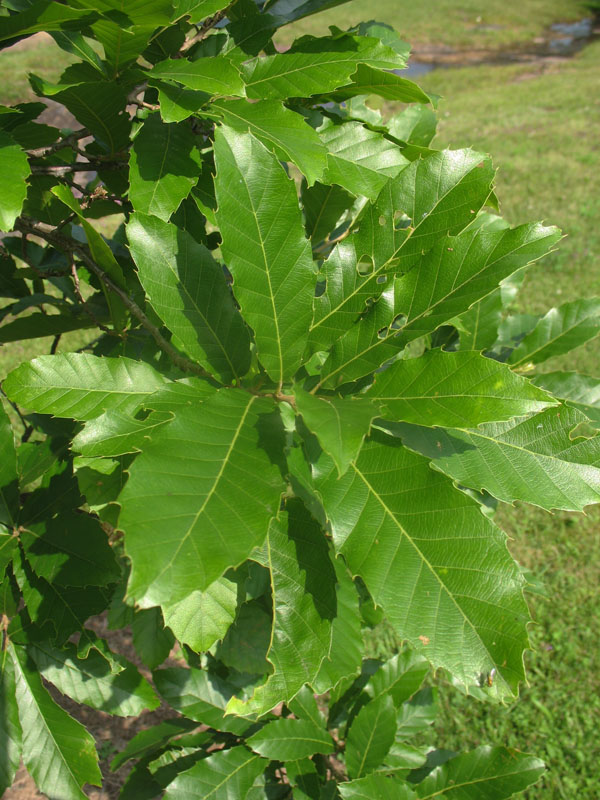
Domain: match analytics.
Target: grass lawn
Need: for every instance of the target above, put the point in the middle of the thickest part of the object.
(489, 24)
(542, 125)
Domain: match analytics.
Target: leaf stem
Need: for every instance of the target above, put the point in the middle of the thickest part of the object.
(72, 247)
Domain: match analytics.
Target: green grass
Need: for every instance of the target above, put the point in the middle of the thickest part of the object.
(454, 23)
(39, 56)
(543, 130)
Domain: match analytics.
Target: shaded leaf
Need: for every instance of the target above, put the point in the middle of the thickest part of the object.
(370, 737)
(305, 605)
(150, 739)
(346, 636)
(152, 641)
(70, 550)
(44, 15)
(9, 485)
(400, 677)
(10, 727)
(188, 291)
(200, 696)
(580, 391)
(339, 424)
(323, 206)
(58, 752)
(90, 680)
(164, 166)
(416, 715)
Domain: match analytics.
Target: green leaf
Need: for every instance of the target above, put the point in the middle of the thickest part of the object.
(81, 386)
(448, 573)
(197, 10)
(177, 103)
(346, 636)
(200, 696)
(226, 775)
(163, 168)
(203, 618)
(416, 715)
(494, 772)
(9, 484)
(460, 270)
(152, 641)
(114, 434)
(99, 106)
(281, 130)
(14, 171)
(370, 737)
(102, 255)
(461, 389)
(247, 642)
(400, 677)
(215, 76)
(44, 15)
(314, 66)
(265, 249)
(367, 80)
(290, 739)
(305, 605)
(359, 159)
(303, 776)
(579, 391)
(376, 787)
(70, 550)
(151, 739)
(188, 291)
(63, 610)
(10, 728)
(304, 706)
(323, 207)
(438, 196)
(36, 325)
(560, 331)
(479, 325)
(286, 11)
(191, 480)
(339, 424)
(58, 752)
(91, 681)
(534, 460)
(416, 125)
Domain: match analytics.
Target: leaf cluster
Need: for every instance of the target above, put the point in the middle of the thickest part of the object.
(307, 392)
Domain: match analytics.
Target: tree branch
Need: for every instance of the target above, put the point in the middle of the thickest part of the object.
(71, 247)
(59, 170)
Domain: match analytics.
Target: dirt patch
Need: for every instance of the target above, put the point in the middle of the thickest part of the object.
(111, 733)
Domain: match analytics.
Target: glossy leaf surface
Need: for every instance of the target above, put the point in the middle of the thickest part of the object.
(405, 516)
(265, 249)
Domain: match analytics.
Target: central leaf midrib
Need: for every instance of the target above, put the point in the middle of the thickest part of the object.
(424, 559)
